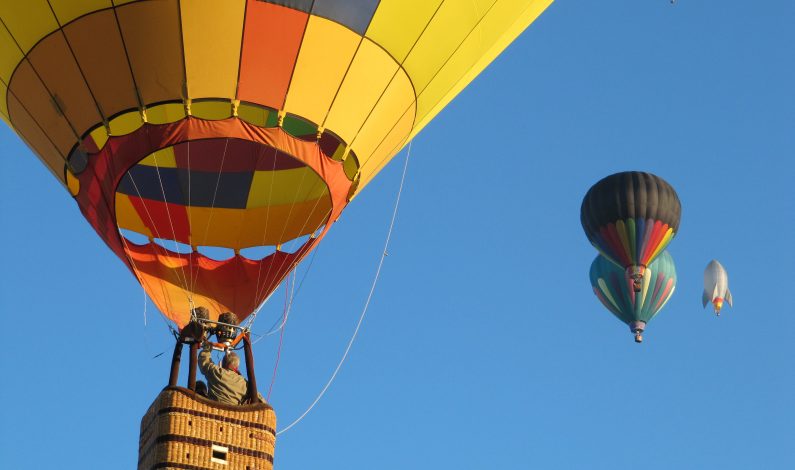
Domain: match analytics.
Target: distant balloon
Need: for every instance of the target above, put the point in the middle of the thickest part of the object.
(716, 286)
(630, 217)
(636, 309)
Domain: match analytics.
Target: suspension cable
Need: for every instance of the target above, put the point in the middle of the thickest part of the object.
(366, 304)
(282, 321)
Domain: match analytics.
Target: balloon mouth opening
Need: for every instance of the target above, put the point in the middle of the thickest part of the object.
(222, 197)
(216, 253)
(635, 274)
(205, 212)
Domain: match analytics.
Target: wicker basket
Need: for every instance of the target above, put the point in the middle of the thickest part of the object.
(182, 430)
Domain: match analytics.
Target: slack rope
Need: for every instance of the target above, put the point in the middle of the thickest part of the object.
(287, 302)
(366, 304)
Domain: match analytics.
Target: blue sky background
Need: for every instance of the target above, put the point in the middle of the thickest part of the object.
(484, 346)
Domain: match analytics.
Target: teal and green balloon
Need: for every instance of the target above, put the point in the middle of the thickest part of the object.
(616, 292)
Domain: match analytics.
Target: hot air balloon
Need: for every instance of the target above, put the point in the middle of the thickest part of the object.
(716, 286)
(616, 293)
(630, 217)
(181, 127)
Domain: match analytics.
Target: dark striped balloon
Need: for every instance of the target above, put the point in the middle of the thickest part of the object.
(630, 217)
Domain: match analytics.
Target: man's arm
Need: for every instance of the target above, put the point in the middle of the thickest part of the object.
(206, 360)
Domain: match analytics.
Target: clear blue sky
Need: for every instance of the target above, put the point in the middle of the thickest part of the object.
(484, 346)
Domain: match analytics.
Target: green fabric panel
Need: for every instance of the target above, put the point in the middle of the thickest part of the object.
(298, 127)
(632, 233)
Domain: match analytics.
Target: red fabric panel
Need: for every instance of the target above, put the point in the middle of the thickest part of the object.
(656, 237)
(239, 155)
(271, 40)
(169, 221)
(616, 248)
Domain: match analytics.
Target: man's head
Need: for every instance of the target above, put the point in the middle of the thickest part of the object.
(231, 361)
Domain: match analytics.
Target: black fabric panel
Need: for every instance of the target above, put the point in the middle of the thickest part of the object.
(630, 194)
(232, 192)
(145, 181)
(355, 14)
(302, 5)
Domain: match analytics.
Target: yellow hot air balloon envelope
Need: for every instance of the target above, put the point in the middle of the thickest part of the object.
(234, 123)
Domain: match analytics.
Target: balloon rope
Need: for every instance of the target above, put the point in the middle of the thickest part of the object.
(154, 227)
(287, 302)
(282, 321)
(184, 278)
(366, 304)
(195, 276)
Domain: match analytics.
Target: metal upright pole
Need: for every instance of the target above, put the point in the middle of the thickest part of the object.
(252, 379)
(172, 379)
(194, 360)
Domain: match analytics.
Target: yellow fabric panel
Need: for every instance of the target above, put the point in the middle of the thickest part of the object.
(351, 166)
(127, 217)
(163, 158)
(367, 78)
(388, 148)
(10, 55)
(4, 104)
(72, 183)
(56, 67)
(152, 37)
(285, 187)
(165, 113)
(211, 110)
(396, 101)
(126, 123)
(324, 57)
(273, 225)
(253, 114)
(36, 140)
(397, 24)
(215, 226)
(28, 21)
(67, 10)
(260, 226)
(440, 39)
(212, 33)
(498, 29)
(38, 114)
(100, 136)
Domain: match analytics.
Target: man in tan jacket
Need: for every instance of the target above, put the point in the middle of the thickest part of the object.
(224, 383)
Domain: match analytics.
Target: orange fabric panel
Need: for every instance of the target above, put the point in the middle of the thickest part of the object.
(271, 41)
(151, 32)
(56, 66)
(97, 44)
(29, 90)
(235, 285)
